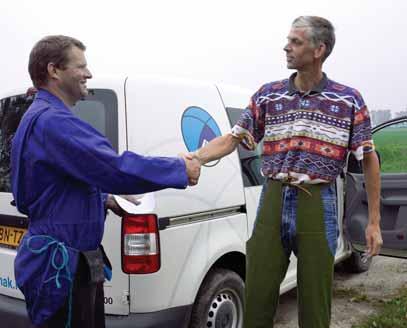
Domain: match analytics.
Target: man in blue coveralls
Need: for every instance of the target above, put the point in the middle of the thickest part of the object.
(62, 172)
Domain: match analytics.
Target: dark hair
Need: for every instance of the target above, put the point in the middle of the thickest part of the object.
(51, 49)
(321, 30)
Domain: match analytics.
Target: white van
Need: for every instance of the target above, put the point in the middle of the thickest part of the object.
(193, 272)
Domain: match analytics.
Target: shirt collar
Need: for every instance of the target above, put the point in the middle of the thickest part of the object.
(51, 99)
(316, 89)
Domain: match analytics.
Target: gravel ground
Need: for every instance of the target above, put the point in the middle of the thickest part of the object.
(354, 294)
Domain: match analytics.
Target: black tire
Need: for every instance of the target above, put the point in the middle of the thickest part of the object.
(354, 263)
(220, 301)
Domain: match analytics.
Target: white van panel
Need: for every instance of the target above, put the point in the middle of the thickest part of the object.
(252, 195)
(7, 280)
(234, 97)
(187, 253)
(154, 113)
(6, 208)
(117, 290)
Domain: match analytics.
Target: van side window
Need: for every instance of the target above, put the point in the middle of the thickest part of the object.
(250, 160)
(98, 109)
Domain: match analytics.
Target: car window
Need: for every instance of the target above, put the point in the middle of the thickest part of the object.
(391, 144)
(98, 109)
(11, 111)
(250, 160)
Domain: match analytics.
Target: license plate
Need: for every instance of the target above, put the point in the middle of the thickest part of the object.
(11, 236)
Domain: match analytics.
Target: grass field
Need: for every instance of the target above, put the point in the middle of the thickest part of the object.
(391, 143)
(391, 314)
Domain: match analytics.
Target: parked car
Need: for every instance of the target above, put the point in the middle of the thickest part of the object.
(188, 270)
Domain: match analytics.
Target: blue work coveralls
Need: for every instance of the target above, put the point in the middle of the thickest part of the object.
(61, 169)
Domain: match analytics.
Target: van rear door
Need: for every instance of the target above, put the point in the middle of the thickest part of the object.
(12, 223)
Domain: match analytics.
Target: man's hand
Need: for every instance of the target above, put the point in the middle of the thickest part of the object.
(374, 239)
(191, 155)
(193, 166)
(112, 205)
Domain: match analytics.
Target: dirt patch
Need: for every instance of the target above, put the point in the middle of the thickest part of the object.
(355, 295)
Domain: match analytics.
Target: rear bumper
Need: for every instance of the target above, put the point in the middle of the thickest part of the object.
(13, 313)
(177, 317)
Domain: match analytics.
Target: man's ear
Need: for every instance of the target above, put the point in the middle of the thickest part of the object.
(52, 71)
(320, 51)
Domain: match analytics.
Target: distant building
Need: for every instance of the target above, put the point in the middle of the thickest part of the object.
(402, 113)
(380, 116)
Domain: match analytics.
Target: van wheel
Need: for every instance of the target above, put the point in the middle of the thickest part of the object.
(219, 303)
(354, 263)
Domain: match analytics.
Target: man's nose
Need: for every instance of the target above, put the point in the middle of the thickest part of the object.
(88, 74)
(287, 48)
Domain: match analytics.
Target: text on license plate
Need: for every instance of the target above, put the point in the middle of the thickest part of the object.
(11, 236)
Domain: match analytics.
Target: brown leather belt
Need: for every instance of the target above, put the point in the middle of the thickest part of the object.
(289, 180)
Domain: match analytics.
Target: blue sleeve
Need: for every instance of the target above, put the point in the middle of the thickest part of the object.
(77, 149)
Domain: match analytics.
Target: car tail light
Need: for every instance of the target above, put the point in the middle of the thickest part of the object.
(140, 244)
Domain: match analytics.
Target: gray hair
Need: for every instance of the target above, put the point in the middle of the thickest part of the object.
(321, 30)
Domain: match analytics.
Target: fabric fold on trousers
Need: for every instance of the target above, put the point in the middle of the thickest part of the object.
(268, 259)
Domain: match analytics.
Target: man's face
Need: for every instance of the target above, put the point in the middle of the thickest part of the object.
(74, 75)
(299, 49)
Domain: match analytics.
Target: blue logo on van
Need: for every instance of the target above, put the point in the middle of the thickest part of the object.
(198, 128)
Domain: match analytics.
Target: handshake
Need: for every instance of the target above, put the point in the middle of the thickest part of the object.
(193, 167)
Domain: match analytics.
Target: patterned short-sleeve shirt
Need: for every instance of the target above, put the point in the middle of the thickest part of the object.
(306, 135)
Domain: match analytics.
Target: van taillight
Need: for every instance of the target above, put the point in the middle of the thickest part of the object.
(140, 244)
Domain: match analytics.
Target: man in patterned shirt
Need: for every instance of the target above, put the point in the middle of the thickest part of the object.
(308, 124)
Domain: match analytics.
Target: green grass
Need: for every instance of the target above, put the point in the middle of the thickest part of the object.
(353, 294)
(391, 143)
(391, 314)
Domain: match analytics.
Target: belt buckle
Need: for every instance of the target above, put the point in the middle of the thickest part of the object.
(288, 180)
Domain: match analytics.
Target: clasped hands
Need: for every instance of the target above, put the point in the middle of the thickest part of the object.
(193, 167)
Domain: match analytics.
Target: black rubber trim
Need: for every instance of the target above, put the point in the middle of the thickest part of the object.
(13, 221)
(163, 223)
(13, 313)
(177, 317)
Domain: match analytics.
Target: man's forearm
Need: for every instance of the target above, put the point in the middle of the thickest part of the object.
(217, 148)
(371, 171)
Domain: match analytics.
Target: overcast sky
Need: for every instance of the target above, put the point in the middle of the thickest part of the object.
(235, 42)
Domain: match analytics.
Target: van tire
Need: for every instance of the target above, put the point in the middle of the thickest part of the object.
(220, 300)
(354, 263)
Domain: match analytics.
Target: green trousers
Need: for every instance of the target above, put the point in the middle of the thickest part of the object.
(267, 262)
